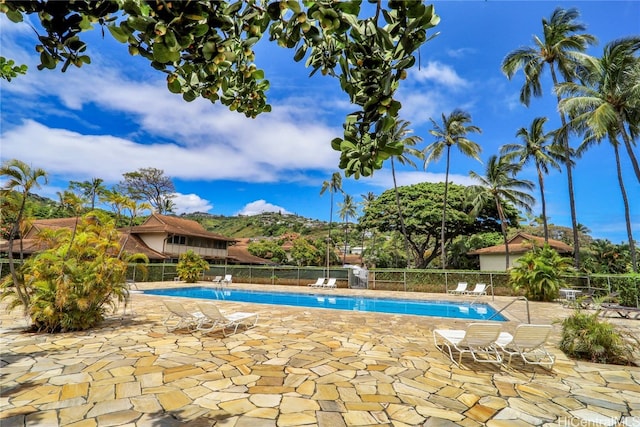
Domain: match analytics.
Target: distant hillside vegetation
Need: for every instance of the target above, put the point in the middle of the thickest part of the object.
(268, 224)
(265, 224)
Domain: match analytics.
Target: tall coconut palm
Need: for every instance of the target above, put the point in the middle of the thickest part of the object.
(347, 210)
(400, 133)
(499, 185)
(609, 96)
(333, 186)
(90, 189)
(453, 131)
(560, 41)
(605, 104)
(367, 199)
(22, 178)
(534, 148)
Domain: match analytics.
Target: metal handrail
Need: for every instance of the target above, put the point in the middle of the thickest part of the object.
(517, 299)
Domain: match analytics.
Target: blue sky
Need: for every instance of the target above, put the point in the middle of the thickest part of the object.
(116, 116)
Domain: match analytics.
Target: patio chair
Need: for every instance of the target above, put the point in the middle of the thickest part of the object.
(217, 279)
(527, 342)
(479, 340)
(228, 278)
(621, 310)
(318, 284)
(213, 319)
(460, 290)
(180, 315)
(480, 289)
(331, 283)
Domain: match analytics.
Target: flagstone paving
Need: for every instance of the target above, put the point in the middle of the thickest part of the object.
(298, 367)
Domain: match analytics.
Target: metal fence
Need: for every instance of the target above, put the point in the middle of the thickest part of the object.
(404, 280)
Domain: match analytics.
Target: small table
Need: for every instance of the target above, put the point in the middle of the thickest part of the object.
(570, 294)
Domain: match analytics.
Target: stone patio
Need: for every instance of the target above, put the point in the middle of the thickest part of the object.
(298, 367)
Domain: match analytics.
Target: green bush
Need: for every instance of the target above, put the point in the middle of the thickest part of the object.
(191, 266)
(586, 337)
(72, 284)
(538, 273)
(629, 294)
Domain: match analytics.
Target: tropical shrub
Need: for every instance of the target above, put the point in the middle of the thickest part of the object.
(72, 285)
(190, 266)
(586, 337)
(539, 273)
(629, 291)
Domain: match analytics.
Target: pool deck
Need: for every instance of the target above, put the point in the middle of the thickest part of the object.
(298, 367)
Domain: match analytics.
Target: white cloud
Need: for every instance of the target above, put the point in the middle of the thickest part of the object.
(260, 206)
(461, 52)
(441, 74)
(214, 142)
(420, 105)
(187, 203)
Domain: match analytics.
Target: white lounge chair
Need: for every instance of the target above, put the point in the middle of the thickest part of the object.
(217, 279)
(181, 316)
(460, 290)
(228, 278)
(527, 342)
(331, 283)
(480, 289)
(318, 284)
(479, 340)
(213, 319)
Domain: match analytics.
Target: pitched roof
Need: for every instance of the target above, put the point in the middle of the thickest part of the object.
(521, 243)
(239, 253)
(157, 223)
(131, 245)
(52, 223)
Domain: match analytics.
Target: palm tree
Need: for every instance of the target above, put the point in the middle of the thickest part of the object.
(90, 189)
(453, 131)
(559, 43)
(609, 98)
(367, 199)
(499, 185)
(347, 209)
(533, 148)
(399, 134)
(605, 104)
(20, 177)
(333, 186)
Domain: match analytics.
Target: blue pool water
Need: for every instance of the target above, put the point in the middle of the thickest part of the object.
(458, 310)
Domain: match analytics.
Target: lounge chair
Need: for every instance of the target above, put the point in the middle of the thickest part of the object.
(480, 289)
(182, 317)
(217, 279)
(479, 340)
(460, 290)
(527, 342)
(331, 283)
(318, 284)
(228, 278)
(213, 319)
(621, 310)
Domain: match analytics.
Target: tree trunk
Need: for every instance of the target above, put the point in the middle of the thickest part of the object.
(22, 294)
(503, 228)
(444, 212)
(627, 216)
(329, 238)
(404, 231)
(544, 206)
(567, 153)
(627, 144)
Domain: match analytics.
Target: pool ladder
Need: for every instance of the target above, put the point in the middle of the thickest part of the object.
(505, 307)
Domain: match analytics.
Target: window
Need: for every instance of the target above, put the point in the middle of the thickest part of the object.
(177, 240)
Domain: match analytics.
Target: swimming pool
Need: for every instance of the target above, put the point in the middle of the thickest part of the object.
(458, 310)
